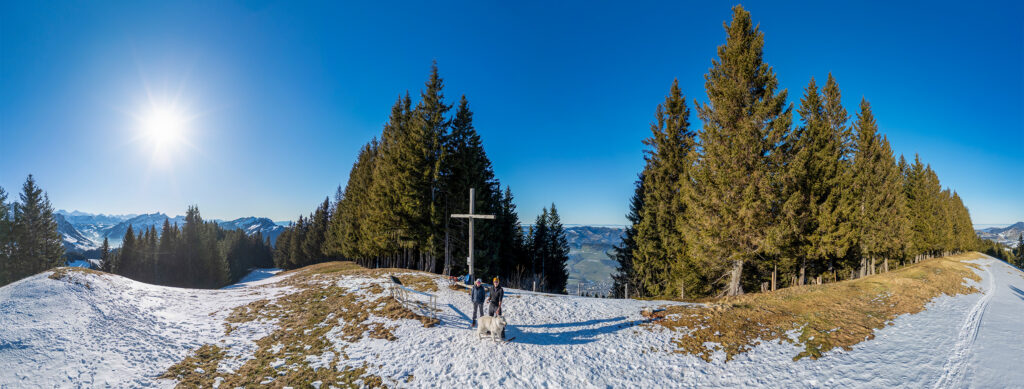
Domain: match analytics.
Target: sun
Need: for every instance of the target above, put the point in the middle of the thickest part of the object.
(163, 126)
(162, 129)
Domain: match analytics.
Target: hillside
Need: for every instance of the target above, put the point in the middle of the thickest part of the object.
(337, 324)
(1008, 235)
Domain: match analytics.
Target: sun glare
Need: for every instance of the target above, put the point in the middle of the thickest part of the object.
(163, 125)
(163, 128)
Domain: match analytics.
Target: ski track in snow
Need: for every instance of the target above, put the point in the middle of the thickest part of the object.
(121, 333)
(956, 367)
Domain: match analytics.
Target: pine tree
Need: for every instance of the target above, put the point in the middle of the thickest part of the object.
(105, 260)
(558, 253)
(464, 167)
(731, 195)
(625, 252)
(660, 261)
(1020, 248)
(6, 238)
(512, 258)
(539, 249)
(312, 251)
(37, 244)
(879, 211)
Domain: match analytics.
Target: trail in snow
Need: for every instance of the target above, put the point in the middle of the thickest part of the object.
(955, 369)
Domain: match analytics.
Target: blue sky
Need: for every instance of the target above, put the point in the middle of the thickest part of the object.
(281, 95)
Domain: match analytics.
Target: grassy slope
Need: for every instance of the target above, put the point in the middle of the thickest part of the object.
(304, 319)
(823, 316)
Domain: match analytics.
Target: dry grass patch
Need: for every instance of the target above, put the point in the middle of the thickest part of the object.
(824, 316)
(303, 320)
(67, 274)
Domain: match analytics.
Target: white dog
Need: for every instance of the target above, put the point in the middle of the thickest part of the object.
(493, 324)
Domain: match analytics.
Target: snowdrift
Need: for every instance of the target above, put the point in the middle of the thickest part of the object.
(337, 324)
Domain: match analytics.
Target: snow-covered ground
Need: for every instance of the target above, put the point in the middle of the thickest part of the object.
(116, 332)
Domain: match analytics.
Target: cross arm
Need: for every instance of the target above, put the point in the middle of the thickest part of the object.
(465, 216)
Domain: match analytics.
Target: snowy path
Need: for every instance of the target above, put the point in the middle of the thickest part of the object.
(957, 364)
(120, 333)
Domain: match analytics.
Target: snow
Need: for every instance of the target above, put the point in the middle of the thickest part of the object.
(121, 333)
(105, 330)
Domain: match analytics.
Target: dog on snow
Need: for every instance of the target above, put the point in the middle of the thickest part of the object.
(493, 324)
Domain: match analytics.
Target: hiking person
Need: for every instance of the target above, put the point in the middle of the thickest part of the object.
(497, 294)
(477, 295)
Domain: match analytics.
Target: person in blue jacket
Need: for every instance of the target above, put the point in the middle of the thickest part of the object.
(477, 295)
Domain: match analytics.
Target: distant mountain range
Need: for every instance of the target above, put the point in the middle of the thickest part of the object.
(1005, 235)
(83, 231)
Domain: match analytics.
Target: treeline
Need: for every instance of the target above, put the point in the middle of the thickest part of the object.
(1013, 256)
(197, 255)
(753, 201)
(395, 209)
(29, 241)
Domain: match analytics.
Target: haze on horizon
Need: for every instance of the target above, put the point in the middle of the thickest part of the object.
(260, 110)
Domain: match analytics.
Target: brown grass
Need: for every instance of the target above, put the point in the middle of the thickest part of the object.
(303, 319)
(825, 316)
(66, 274)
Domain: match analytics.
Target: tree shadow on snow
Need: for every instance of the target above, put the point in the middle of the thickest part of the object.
(580, 336)
(1018, 292)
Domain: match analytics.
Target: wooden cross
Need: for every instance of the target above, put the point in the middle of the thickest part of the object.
(471, 216)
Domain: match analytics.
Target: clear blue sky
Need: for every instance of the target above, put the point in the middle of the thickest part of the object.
(281, 95)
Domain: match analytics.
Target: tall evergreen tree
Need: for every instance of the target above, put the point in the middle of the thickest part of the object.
(731, 195)
(555, 270)
(625, 252)
(37, 244)
(879, 211)
(105, 260)
(660, 261)
(6, 237)
(512, 258)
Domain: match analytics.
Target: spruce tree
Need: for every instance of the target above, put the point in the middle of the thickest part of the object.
(105, 260)
(37, 244)
(557, 253)
(625, 252)
(6, 238)
(512, 257)
(660, 262)
(879, 210)
(731, 194)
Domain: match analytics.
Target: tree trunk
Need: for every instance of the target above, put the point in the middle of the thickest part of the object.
(775, 272)
(735, 289)
(803, 269)
(872, 264)
(885, 264)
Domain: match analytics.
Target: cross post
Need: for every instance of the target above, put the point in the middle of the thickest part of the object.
(471, 216)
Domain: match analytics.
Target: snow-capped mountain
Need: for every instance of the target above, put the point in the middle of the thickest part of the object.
(83, 231)
(1005, 235)
(251, 225)
(72, 238)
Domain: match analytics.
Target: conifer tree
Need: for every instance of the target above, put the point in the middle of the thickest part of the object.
(37, 244)
(624, 252)
(312, 251)
(105, 260)
(555, 270)
(879, 211)
(539, 249)
(660, 262)
(6, 237)
(730, 195)
(510, 239)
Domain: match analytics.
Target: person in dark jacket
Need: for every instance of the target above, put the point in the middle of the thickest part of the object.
(497, 294)
(477, 295)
